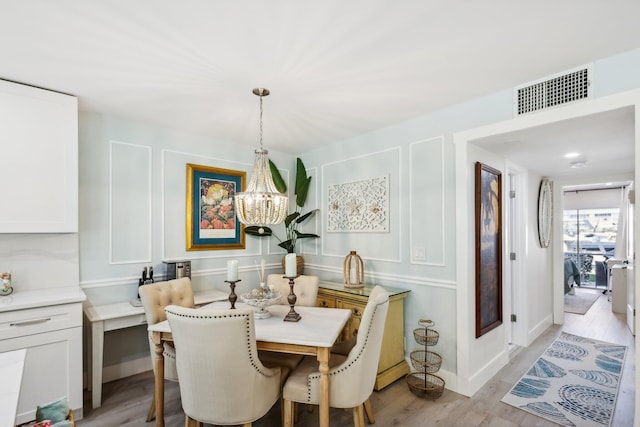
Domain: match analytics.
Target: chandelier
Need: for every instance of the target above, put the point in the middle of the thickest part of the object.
(261, 204)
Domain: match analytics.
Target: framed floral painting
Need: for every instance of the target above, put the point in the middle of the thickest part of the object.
(211, 213)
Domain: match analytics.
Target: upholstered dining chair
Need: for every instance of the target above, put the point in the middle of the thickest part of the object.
(221, 384)
(306, 290)
(155, 297)
(351, 377)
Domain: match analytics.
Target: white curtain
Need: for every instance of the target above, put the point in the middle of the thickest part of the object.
(621, 238)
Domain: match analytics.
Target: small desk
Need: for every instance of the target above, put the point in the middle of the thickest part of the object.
(11, 367)
(313, 335)
(110, 317)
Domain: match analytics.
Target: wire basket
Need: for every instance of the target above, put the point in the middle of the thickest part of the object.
(426, 361)
(426, 336)
(425, 385)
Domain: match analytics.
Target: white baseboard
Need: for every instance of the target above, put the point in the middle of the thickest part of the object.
(126, 369)
(538, 329)
(484, 374)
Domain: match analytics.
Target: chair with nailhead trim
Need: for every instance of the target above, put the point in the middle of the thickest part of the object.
(222, 380)
(351, 377)
(155, 297)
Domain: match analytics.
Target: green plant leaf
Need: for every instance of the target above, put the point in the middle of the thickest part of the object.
(290, 218)
(302, 183)
(306, 235)
(254, 230)
(287, 246)
(281, 186)
(307, 215)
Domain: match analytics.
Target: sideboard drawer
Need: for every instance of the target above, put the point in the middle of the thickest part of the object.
(325, 302)
(31, 321)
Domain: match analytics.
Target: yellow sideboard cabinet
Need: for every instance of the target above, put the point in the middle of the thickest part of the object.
(392, 363)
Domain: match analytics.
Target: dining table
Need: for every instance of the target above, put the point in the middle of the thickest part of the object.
(314, 335)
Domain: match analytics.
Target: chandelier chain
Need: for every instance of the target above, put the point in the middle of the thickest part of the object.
(261, 148)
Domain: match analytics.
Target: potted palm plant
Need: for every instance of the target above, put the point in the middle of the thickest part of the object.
(293, 221)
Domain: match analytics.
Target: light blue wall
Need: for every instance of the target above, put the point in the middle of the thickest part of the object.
(132, 195)
(421, 213)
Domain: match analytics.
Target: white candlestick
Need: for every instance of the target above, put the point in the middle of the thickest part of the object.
(232, 270)
(290, 269)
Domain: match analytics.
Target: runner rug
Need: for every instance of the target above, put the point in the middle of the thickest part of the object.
(581, 301)
(574, 383)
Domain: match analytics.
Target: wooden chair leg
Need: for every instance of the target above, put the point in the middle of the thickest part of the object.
(190, 422)
(152, 409)
(288, 413)
(369, 411)
(358, 416)
(247, 425)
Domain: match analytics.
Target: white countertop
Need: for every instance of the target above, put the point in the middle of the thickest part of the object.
(11, 367)
(122, 309)
(20, 300)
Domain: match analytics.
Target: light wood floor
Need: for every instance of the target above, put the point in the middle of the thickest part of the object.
(126, 401)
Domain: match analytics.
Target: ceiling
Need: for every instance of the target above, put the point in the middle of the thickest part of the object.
(335, 68)
(604, 142)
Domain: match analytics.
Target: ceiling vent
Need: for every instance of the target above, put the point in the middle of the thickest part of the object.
(559, 89)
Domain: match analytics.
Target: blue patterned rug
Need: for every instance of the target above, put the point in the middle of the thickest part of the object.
(574, 383)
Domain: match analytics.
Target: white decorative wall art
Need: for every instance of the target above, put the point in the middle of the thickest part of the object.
(359, 206)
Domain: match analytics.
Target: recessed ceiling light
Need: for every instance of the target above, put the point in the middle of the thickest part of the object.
(571, 155)
(578, 164)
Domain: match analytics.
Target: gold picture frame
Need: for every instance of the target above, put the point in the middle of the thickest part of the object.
(211, 215)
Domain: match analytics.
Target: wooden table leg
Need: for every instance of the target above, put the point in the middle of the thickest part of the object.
(323, 359)
(159, 379)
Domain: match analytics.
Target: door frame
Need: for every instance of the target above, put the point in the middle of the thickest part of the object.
(474, 371)
(515, 227)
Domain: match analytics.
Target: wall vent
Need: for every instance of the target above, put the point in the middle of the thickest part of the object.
(571, 86)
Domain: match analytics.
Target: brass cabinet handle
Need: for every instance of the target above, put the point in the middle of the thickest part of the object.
(30, 322)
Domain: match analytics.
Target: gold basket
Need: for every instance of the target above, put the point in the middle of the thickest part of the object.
(426, 361)
(426, 385)
(426, 336)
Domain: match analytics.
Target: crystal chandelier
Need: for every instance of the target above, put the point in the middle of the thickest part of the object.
(261, 204)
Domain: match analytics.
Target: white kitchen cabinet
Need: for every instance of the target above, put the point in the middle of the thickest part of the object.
(38, 160)
(48, 325)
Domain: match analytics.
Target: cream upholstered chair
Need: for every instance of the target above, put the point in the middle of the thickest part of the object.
(305, 288)
(222, 381)
(352, 377)
(155, 297)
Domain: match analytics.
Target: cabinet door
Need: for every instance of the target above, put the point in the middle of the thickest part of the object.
(52, 369)
(325, 302)
(356, 317)
(38, 160)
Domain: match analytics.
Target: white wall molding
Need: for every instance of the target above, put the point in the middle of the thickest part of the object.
(131, 231)
(413, 182)
(414, 280)
(397, 258)
(194, 255)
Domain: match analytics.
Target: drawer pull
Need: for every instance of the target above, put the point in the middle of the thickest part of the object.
(31, 322)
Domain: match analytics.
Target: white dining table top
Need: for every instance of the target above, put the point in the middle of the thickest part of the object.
(318, 327)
